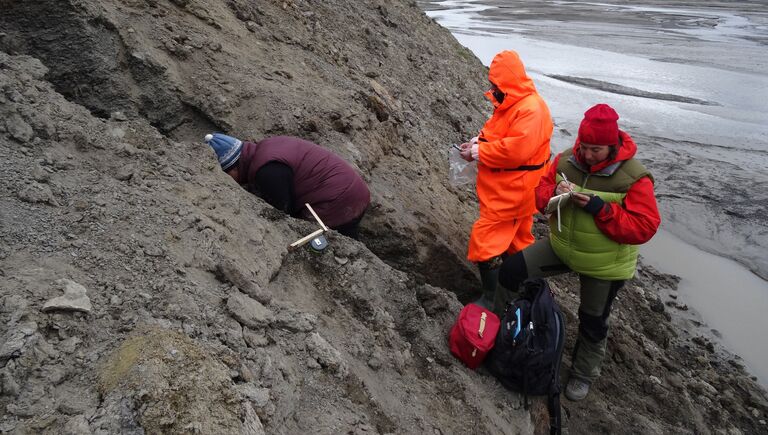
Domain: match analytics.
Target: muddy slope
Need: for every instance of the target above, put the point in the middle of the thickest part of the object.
(378, 82)
(141, 291)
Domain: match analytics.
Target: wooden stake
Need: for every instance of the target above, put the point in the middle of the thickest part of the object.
(316, 217)
(306, 239)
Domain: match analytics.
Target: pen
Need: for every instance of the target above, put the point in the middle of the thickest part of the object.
(562, 174)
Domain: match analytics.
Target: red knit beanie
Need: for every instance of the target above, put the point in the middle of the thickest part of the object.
(599, 126)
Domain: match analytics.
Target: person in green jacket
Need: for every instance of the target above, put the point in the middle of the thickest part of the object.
(611, 211)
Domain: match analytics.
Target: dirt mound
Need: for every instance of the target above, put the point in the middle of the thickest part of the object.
(143, 291)
(390, 95)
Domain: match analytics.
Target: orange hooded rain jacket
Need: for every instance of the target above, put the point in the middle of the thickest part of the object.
(513, 154)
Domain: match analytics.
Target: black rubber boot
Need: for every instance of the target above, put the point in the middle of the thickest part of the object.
(489, 279)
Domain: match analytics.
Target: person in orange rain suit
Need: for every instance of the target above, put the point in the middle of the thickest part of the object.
(512, 152)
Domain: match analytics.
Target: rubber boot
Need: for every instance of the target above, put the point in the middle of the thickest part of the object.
(503, 297)
(489, 278)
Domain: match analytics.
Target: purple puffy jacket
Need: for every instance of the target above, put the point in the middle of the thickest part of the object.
(324, 180)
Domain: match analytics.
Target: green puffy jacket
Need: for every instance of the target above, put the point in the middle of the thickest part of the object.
(579, 243)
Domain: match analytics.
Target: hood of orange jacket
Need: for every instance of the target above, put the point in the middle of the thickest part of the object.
(513, 143)
(624, 151)
(508, 74)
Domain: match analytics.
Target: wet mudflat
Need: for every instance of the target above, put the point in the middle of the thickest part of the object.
(688, 80)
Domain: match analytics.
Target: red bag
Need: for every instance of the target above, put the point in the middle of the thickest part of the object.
(473, 334)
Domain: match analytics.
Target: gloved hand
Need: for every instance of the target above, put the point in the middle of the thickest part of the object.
(466, 152)
(475, 151)
(594, 205)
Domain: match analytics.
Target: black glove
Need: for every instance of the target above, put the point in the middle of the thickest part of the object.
(594, 205)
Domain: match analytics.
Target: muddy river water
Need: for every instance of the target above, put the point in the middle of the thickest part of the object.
(685, 78)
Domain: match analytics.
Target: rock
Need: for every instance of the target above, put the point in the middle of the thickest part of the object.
(116, 132)
(247, 311)
(154, 251)
(18, 128)
(126, 150)
(341, 260)
(374, 363)
(35, 192)
(296, 322)
(703, 342)
(757, 399)
(228, 272)
(703, 387)
(377, 105)
(30, 65)
(55, 374)
(70, 344)
(432, 300)
(15, 305)
(8, 386)
(15, 340)
(77, 425)
(41, 175)
(118, 116)
(74, 298)
(401, 360)
(73, 400)
(326, 355)
(675, 381)
(255, 339)
(259, 397)
(251, 423)
(70, 407)
(656, 305)
(124, 173)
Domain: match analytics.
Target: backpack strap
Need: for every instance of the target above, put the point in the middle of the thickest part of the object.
(526, 343)
(553, 404)
(526, 405)
(553, 401)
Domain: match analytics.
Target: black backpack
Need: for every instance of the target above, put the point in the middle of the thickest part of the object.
(529, 347)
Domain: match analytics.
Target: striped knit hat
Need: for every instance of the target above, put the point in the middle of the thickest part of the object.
(227, 148)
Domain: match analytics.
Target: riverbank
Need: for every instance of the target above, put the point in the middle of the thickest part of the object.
(185, 309)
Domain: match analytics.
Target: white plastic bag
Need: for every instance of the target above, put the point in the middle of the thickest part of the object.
(460, 171)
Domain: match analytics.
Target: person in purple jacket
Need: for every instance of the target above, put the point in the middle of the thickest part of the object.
(288, 172)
